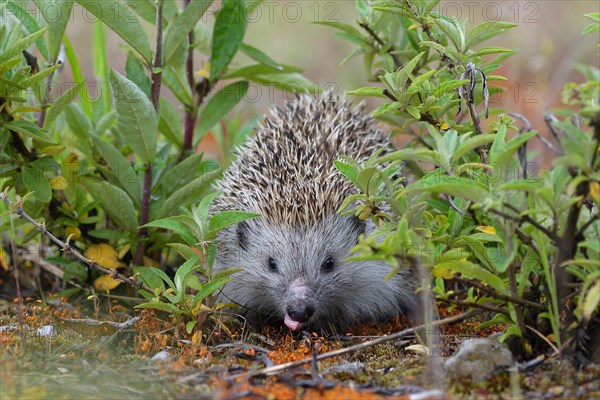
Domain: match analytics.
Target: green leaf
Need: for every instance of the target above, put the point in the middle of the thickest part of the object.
(76, 270)
(38, 77)
(182, 275)
(22, 44)
(61, 103)
(149, 278)
(220, 105)
(470, 144)
(454, 31)
(208, 289)
(348, 170)
(175, 80)
(176, 226)
(35, 181)
(169, 123)
(256, 70)
(29, 22)
(490, 50)
(226, 218)
(116, 203)
(193, 191)
(485, 31)
(28, 128)
(344, 27)
(136, 119)
(228, 32)
(180, 174)
(124, 23)
(57, 14)
(368, 91)
(121, 167)
(179, 28)
(258, 55)
(454, 186)
(135, 72)
(161, 306)
(184, 250)
(412, 110)
(473, 271)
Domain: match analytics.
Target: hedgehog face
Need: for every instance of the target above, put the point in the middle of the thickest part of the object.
(301, 276)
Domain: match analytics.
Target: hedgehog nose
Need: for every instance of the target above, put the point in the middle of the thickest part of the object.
(301, 313)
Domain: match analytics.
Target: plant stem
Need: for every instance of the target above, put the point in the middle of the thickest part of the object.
(191, 113)
(155, 98)
(44, 104)
(390, 49)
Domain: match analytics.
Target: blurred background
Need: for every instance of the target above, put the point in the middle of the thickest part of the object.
(548, 39)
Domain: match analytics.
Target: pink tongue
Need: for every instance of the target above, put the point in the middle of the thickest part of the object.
(290, 323)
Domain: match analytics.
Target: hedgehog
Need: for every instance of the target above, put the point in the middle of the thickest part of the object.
(293, 258)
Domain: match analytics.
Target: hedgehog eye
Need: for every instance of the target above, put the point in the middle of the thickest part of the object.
(273, 265)
(327, 265)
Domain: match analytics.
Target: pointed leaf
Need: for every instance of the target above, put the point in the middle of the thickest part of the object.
(187, 194)
(61, 103)
(220, 105)
(228, 32)
(116, 203)
(28, 128)
(179, 28)
(121, 167)
(136, 119)
(123, 22)
(56, 13)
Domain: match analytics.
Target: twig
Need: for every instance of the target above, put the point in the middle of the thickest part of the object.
(524, 218)
(499, 296)
(155, 98)
(17, 208)
(595, 218)
(483, 306)
(361, 346)
(556, 133)
(522, 152)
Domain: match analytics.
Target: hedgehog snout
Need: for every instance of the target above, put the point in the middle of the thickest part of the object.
(299, 305)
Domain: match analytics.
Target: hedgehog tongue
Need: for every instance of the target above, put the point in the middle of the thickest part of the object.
(290, 323)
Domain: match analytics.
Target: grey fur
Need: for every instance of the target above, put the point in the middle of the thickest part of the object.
(286, 174)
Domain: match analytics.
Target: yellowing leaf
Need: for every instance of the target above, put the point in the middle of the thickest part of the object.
(444, 273)
(106, 283)
(3, 260)
(490, 230)
(205, 71)
(52, 150)
(71, 159)
(58, 183)
(73, 230)
(444, 126)
(123, 251)
(104, 255)
(413, 26)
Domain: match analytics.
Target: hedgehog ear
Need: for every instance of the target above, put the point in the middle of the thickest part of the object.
(242, 235)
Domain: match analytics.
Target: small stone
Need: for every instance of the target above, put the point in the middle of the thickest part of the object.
(478, 359)
(162, 356)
